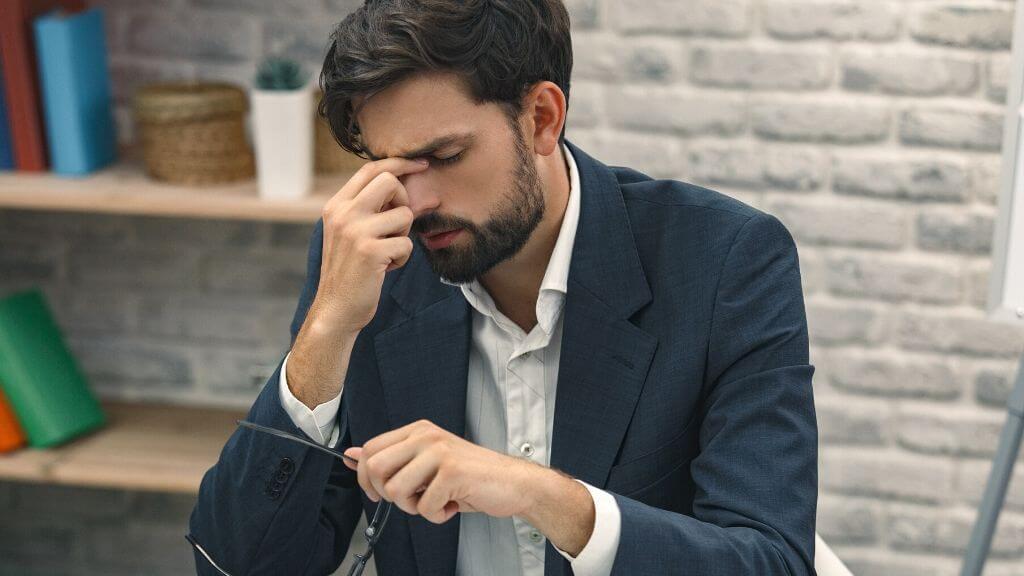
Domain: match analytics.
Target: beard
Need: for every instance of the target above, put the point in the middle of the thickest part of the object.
(501, 237)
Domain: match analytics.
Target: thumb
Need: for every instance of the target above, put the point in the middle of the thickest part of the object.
(353, 452)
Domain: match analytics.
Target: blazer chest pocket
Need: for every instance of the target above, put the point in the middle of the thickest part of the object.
(639, 473)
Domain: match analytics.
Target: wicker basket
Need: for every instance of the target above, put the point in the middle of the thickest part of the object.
(193, 133)
(330, 156)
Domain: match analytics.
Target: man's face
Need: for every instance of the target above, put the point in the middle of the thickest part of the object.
(483, 181)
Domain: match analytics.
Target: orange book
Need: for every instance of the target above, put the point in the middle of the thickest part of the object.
(11, 435)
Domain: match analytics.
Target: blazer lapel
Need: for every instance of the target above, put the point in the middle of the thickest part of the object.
(423, 371)
(605, 358)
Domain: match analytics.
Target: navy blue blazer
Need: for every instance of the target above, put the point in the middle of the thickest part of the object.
(684, 389)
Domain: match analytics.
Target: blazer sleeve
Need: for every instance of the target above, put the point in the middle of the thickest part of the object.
(271, 505)
(755, 475)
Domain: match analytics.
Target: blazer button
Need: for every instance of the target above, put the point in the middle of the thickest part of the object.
(287, 465)
(282, 476)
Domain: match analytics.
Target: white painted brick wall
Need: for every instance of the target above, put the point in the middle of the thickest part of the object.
(872, 128)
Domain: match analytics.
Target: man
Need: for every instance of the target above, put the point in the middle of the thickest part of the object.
(567, 369)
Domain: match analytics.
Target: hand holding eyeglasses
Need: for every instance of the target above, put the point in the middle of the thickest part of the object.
(428, 471)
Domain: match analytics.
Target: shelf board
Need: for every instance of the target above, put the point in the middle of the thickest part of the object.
(125, 188)
(143, 447)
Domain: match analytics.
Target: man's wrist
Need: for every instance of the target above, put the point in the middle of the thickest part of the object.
(317, 340)
(560, 507)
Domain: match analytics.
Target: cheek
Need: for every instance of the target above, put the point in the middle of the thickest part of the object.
(471, 191)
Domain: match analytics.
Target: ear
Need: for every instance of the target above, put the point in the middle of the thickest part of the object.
(545, 114)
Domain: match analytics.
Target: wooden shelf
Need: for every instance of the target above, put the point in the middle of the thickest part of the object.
(142, 447)
(125, 188)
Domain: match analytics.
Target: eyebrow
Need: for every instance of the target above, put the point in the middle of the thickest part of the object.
(432, 146)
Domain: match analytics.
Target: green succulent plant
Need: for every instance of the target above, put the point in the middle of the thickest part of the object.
(276, 73)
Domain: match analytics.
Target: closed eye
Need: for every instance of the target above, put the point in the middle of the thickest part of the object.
(446, 161)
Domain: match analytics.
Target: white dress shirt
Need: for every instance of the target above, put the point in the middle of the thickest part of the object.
(510, 407)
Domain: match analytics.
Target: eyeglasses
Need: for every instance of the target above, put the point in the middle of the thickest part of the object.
(373, 530)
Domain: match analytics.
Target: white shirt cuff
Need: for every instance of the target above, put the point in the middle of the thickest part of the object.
(598, 554)
(319, 423)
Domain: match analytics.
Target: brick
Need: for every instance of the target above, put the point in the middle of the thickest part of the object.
(894, 375)
(987, 27)
(907, 73)
(674, 110)
(586, 110)
(892, 278)
(26, 264)
(977, 284)
(832, 324)
(167, 269)
(910, 177)
(984, 179)
(997, 77)
(886, 475)
(843, 20)
(993, 384)
(59, 504)
(139, 547)
(271, 273)
(213, 319)
(197, 35)
(947, 531)
(125, 361)
(830, 223)
(746, 166)
(955, 231)
(22, 540)
(156, 231)
(584, 14)
(952, 127)
(231, 370)
(812, 271)
(956, 432)
(760, 67)
(304, 39)
(973, 476)
(870, 562)
(73, 228)
(295, 236)
(161, 506)
(646, 59)
(128, 75)
(858, 422)
(655, 155)
(845, 521)
(596, 56)
(703, 17)
(340, 8)
(279, 7)
(958, 334)
(79, 310)
(820, 121)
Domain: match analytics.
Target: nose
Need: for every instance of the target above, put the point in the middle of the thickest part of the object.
(422, 196)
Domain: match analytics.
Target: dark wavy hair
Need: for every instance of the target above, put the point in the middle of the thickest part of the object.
(499, 48)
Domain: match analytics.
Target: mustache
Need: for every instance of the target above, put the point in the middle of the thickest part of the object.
(433, 223)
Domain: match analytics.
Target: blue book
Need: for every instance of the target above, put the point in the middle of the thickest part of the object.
(74, 81)
(6, 144)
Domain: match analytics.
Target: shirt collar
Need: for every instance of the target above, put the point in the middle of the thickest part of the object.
(556, 275)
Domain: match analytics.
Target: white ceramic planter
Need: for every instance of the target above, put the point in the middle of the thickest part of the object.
(282, 125)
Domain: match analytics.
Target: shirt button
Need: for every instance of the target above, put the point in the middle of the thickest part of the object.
(527, 449)
(536, 537)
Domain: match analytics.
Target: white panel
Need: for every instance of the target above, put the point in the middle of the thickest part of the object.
(1006, 289)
